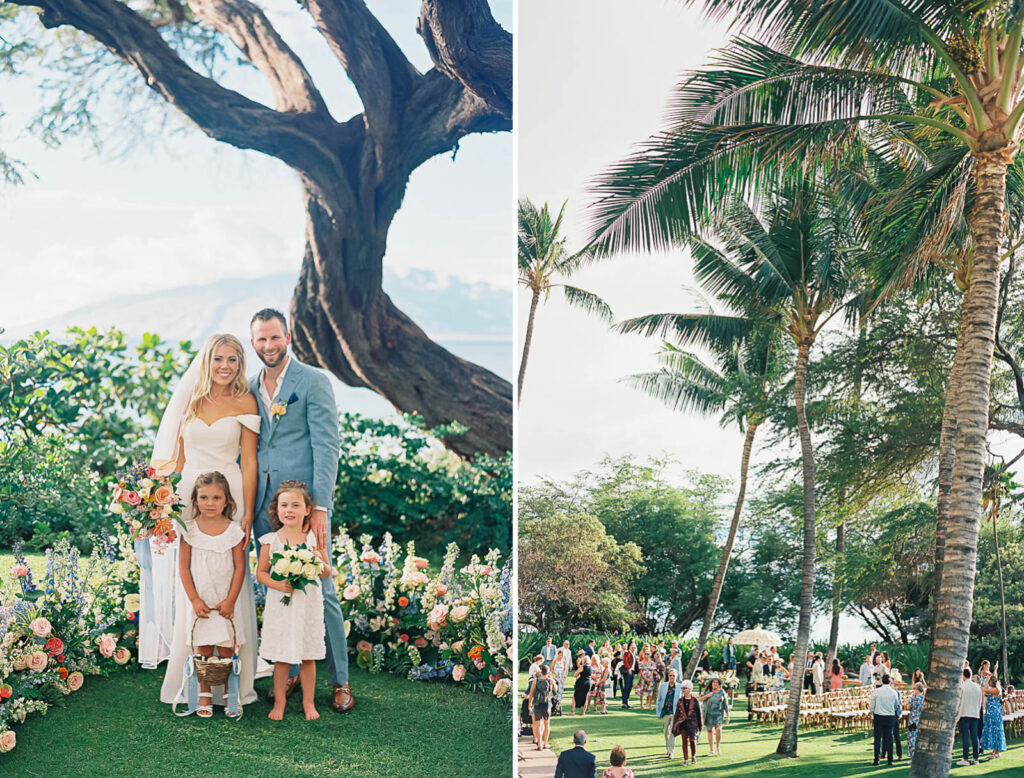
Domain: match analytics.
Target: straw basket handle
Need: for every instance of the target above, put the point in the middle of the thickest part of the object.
(192, 635)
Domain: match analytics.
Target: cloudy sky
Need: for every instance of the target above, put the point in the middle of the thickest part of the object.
(185, 209)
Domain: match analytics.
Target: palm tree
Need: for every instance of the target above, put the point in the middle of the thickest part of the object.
(790, 273)
(743, 389)
(542, 256)
(798, 100)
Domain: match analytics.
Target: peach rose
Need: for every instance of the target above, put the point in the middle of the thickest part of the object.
(371, 557)
(38, 660)
(459, 613)
(442, 590)
(108, 645)
(164, 495)
(8, 741)
(501, 687)
(458, 673)
(132, 498)
(436, 617)
(19, 571)
(420, 562)
(122, 655)
(75, 681)
(351, 592)
(363, 645)
(457, 646)
(21, 662)
(40, 627)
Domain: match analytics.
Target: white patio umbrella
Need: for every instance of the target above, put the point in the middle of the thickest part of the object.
(757, 637)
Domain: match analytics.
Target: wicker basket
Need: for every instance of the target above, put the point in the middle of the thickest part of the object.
(208, 672)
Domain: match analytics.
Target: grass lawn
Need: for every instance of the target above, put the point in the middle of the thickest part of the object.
(36, 560)
(747, 749)
(117, 727)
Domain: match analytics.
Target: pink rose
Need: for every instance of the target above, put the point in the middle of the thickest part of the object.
(457, 646)
(164, 495)
(132, 498)
(351, 592)
(40, 627)
(502, 687)
(437, 616)
(458, 673)
(8, 741)
(371, 557)
(459, 613)
(19, 571)
(21, 662)
(363, 645)
(75, 681)
(38, 660)
(479, 663)
(122, 655)
(420, 562)
(485, 569)
(108, 645)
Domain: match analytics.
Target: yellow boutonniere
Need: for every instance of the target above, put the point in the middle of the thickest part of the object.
(278, 409)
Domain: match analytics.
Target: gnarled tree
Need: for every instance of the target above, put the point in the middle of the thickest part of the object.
(353, 173)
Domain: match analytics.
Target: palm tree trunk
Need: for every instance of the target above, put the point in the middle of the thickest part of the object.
(723, 565)
(1002, 598)
(787, 743)
(947, 456)
(837, 588)
(526, 343)
(955, 598)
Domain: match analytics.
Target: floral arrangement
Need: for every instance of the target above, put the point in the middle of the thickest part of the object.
(148, 503)
(82, 621)
(454, 625)
(728, 680)
(297, 565)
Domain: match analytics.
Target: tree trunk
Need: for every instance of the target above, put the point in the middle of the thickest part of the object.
(1002, 598)
(947, 456)
(955, 598)
(723, 565)
(837, 593)
(787, 742)
(526, 343)
(353, 173)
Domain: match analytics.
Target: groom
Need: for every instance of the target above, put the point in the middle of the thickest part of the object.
(299, 441)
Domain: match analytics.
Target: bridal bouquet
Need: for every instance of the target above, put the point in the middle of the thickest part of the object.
(148, 504)
(299, 566)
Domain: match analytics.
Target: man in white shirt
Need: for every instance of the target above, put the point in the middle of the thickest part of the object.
(818, 673)
(886, 709)
(675, 662)
(970, 715)
(865, 672)
(548, 652)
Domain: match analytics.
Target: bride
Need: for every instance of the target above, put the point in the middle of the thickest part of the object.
(211, 423)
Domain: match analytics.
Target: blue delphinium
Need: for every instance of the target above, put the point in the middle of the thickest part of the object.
(27, 584)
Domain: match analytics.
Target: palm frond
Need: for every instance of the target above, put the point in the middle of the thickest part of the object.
(588, 302)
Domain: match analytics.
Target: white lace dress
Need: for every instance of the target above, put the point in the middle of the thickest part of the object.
(211, 447)
(292, 633)
(212, 567)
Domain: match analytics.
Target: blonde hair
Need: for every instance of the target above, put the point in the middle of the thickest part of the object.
(289, 486)
(239, 384)
(213, 478)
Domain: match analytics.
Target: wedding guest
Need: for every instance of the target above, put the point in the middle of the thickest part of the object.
(748, 662)
(559, 672)
(887, 662)
(704, 663)
(598, 694)
(969, 712)
(212, 563)
(293, 633)
(540, 706)
(606, 649)
(984, 672)
(618, 768)
(589, 650)
(818, 673)
(675, 662)
(836, 676)
(616, 672)
(916, 706)
(547, 652)
(993, 737)
(669, 692)
(877, 670)
(918, 678)
(687, 722)
(645, 686)
(729, 655)
(535, 666)
(595, 672)
(581, 689)
(628, 669)
(716, 709)
(866, 678)
(886, 709)
(871, 653)
(576, 762)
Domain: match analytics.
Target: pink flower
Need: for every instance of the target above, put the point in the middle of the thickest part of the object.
(485, 569)
(351, 592)
(108, 645)
(442, 590)
(403, 638)
(54, 646)
(164, 495)
(479, 663)
(38, 660)
(502, 686)
(437, 617)
(458, 673)
(457, 646)
(19, 571)
(363, 645)
(459, 613)
(40, 627)
(122, 655)
(75, 681)
(420, 643)
(21, 662)
(371, 557)
(8, 740)
(420, 562)
(132, 498)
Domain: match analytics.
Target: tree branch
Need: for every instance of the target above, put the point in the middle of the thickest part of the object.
(251, 31)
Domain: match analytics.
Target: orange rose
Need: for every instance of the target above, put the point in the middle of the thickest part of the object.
(164, 495)
(403, 601)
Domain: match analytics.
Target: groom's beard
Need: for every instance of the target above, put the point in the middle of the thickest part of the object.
(275, 360)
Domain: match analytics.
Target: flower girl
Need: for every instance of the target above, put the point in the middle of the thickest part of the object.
(212, 565)
(293, 618)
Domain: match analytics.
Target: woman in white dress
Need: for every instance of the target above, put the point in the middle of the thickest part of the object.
(211, 424)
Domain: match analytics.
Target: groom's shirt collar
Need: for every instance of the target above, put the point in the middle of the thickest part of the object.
(265, 397)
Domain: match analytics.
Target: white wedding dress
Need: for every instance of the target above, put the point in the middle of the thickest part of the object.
(207, 447)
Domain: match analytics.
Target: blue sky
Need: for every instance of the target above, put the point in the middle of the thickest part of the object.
(184, 209)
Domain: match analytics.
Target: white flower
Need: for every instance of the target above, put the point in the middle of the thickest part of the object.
(281, 566)
(295, 568)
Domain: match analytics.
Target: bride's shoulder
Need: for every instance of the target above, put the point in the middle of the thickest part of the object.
(247, 403)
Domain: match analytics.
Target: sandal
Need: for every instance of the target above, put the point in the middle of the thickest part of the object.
(205, 711)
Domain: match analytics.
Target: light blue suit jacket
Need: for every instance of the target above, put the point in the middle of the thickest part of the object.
(301, 444)
(663, 693)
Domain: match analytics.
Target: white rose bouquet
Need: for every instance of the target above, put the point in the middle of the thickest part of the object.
(297, 565)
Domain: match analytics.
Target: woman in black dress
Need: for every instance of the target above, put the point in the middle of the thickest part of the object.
(581, 689)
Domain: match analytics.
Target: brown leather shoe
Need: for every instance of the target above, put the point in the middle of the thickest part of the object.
(289, 689)
(343, 699)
